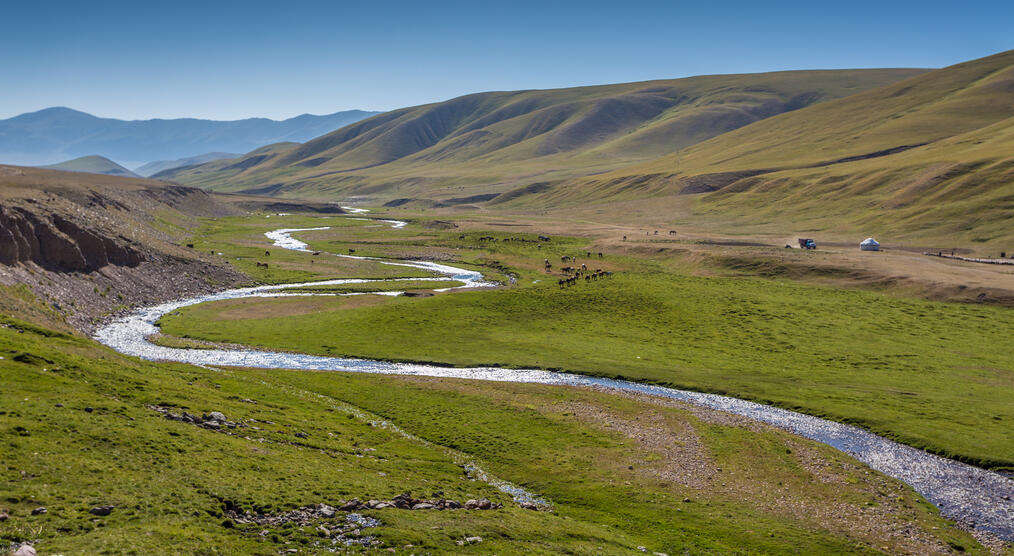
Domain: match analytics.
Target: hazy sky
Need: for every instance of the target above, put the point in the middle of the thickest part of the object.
(228, 60)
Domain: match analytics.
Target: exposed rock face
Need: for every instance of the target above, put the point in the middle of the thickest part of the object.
(90, 245)
(55, 243)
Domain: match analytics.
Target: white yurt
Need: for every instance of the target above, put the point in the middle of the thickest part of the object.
(869, 244)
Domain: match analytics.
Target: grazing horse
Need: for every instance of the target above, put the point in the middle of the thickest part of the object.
(672, 232)
(351, 250)
(600, 254)
(267, 253)
(624, 238)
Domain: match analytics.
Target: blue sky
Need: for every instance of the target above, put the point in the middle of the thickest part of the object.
(228, 60)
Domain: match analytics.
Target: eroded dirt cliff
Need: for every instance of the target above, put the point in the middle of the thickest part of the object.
(86, 243)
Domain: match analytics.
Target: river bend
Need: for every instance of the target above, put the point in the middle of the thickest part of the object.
(974, 497)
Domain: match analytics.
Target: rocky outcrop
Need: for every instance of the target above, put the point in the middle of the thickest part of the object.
(58, 244)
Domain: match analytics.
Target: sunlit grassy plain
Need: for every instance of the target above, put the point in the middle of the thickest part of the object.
(77, 434)
(621, 473)
(934, 375)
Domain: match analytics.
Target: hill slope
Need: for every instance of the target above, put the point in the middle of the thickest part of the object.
(491, 142)
(930, 157)
(55, 134)
(157, 166)
(93, 164)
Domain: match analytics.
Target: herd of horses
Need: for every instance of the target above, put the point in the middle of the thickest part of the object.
(540, 241)
(579, 273)
(572, 275)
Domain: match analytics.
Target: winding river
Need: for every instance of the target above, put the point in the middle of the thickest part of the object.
(974, 497)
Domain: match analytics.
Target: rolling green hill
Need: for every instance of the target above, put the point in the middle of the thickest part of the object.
(200, 172)
(929, 158)
(492, 142)
(93, 164)
(917, 157)
(157, 166)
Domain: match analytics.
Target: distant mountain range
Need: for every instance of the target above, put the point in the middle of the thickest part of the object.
(56, 134)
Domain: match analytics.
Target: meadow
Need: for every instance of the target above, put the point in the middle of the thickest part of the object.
(933, 375)
(82, 428)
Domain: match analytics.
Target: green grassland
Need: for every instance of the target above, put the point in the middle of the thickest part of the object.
(241, 241)
(930, 374)
(397, 285)
(78, 432)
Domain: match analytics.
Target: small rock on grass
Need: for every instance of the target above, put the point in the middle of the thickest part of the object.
(325, 510)
(39, 511)
(481, 504)
(352, 505)
(216, 416)
(101, 510)
(25, 550)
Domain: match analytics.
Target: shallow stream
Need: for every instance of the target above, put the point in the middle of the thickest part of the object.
(975, 497)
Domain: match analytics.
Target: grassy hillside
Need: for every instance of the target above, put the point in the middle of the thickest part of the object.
(208, 172)
(93, 164)
(926, 159)
(489, 142)
(157, 166)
